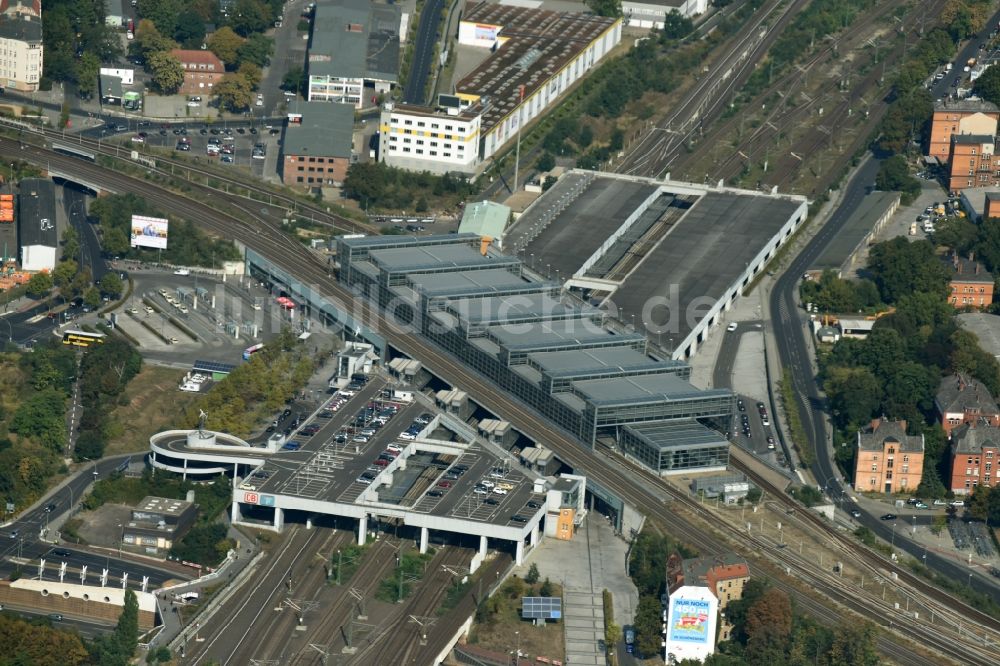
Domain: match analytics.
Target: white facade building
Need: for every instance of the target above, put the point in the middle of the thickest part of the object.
(21, 45)
(535, 56)
(422, 139)
(651, 13)
(691, 620)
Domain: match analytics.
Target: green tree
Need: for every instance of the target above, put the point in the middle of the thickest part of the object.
(987, 85)
(257, 49)
(167, 72)
(190, 30)
(648, 626)
(111, 284)
(546, 589)
(43, 418)
(39, 285)
(249, 17)
(87, 70)
(676, 25)
(225, 44)
(610, 8)
(251, 73)
(295, 79)
(234, 93)
(92, 297)
(532, 576)
(854, 395)
(546, 162)
(149, 40)
(163, 13)
(894, 175)
(900, 267)
(71, 245)
(768, 627)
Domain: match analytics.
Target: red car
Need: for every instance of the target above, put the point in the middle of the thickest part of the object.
(381, 463)
(444, 484)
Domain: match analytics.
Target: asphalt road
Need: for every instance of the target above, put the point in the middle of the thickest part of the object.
(423, 53)
(23, 539)
(91, 256)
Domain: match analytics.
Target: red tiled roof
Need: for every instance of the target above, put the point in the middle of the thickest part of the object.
(196, 56)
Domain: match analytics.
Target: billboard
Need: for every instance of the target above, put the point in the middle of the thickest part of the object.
(149, 232)
(691, 622)
(486, 33)
(126, 75)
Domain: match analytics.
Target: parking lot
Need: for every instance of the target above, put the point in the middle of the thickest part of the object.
(225, 317)
(359, 445)
(235, 142)
(972, 536)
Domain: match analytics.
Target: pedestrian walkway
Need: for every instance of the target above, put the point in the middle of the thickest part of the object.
(585, 566)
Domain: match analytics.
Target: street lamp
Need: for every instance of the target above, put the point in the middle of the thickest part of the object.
(894, 537)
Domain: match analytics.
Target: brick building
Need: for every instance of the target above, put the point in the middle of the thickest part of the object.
(318, 144)
(971, 284)
(725, 575)
(202, 70)
(975, 456)
(887, 459)
(962, 399)
(964, 116)
(973, 162)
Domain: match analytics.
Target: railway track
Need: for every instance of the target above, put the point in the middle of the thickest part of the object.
(166, 165)
(220, 638)
(421, 605)
(639, 488)
(654, 154)
(784, 115)
(269, 636)
(377, 563)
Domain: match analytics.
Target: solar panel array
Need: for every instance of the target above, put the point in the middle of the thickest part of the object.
(541, 608)
(213, 366)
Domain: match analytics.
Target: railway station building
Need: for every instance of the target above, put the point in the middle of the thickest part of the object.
(551, 350)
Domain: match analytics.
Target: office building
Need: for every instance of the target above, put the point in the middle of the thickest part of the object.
(21, 44)
(37, 224)
(318, 144)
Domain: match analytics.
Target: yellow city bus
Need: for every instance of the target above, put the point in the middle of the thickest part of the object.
(82, 338)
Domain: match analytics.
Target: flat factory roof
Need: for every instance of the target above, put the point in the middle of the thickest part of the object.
(467, 283)
(858, 226)
(568, 363)
(516, 308)
(536, 44)
(539, 335)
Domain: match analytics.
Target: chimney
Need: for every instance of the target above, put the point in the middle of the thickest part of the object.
(972, 255)
(875, 424)
(954, 260)
(977, 268)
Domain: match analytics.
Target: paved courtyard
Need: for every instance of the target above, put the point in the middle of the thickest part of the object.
(594, 560)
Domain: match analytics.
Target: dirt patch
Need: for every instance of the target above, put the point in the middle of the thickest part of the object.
(154, 404)
(497, 631)
(101, 527)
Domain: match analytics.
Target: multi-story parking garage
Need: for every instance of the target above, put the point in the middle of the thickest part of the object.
(442, 480)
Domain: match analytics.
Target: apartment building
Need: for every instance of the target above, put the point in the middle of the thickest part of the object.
(202, 70)
(887, 459)
(971, 284)
(975, 454)
(21, 44)
(725, 575)
(973, 162)
(962, 399)
(964, 116)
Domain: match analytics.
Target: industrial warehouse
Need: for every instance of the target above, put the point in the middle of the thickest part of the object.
(530, 57)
